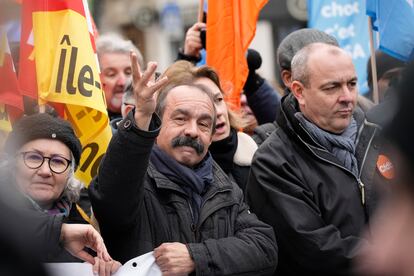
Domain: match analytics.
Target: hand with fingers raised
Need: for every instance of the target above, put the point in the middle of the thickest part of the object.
(145, 89)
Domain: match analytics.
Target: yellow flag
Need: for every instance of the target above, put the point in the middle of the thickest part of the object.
(67, 72)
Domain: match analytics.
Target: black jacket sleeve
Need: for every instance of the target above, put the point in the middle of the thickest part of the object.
(264, 102)
(252, 250)
(121, 174)
(278, 195)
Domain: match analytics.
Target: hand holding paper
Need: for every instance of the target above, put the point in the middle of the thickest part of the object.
(174, 259)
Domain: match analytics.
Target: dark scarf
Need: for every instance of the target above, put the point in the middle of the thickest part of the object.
(194, 181)
(223, 151)
(342, 146)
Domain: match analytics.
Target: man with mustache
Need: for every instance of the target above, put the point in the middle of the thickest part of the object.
(171, 197)
(305, 178)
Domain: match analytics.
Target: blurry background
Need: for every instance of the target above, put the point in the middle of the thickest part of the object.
(158, 27)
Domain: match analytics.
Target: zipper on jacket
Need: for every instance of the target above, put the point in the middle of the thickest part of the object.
(362, 189)
(361, 185)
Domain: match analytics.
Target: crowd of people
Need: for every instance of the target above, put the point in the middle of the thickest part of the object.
(310, 178)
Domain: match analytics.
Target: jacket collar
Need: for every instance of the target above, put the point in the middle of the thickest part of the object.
(291, 124)
(293, 128)
(220, 182)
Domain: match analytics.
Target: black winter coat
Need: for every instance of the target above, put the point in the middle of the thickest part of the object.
(42, 229)
(313, 202)
(138, 209)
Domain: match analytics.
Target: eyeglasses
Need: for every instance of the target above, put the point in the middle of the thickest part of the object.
(35, 160)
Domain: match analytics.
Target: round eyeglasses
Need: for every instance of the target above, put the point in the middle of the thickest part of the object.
(35, 160)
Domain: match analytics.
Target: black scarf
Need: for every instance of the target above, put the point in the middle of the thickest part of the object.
(223, 151)
(193, 181)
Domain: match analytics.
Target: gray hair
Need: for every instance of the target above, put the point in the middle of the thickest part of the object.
(162, 96)
(300, 69)
(114, 43)
(73, 185)
(72, 188)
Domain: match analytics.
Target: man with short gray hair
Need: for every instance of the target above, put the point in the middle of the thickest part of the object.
(113, 54)
(305, 179)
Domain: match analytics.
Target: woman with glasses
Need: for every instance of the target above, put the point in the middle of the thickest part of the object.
(43, 153)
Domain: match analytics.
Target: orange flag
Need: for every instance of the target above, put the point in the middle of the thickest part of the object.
(9, 90)
(231, 26)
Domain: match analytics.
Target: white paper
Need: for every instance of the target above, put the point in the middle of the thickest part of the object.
(143, 265)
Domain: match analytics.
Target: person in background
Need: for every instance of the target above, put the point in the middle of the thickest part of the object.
(263, 100)
(388, 68)
(40, 157)
(128, 103)
(113, 54)
(232, 149)
(171, 197)
(247, 115)
(287, 49)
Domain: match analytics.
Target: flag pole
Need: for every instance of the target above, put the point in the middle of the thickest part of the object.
(375, 94)
(200, 10)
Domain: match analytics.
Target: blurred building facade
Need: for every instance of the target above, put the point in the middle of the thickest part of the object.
(158, 27)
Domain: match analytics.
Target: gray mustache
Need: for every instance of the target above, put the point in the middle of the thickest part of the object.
(185, 141)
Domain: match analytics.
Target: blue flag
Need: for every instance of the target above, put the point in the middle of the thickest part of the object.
(394, 21)
(347, 22)
(372, 10)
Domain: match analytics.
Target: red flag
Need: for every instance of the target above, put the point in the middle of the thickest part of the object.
(231, 26)
(27, 67)
(9, 89)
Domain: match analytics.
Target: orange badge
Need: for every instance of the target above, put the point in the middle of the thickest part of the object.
(385, 167)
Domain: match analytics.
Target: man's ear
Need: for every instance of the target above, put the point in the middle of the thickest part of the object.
(128, 108)
(286, 77)
(297, 89)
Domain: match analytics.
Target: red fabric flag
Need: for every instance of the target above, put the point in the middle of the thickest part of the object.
(27, 68)
(231, 26)
(9, 88)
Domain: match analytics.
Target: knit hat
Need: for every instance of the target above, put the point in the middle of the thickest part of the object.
(296, 40)
(43, 126)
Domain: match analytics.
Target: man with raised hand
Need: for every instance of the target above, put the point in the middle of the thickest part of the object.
(171, 197)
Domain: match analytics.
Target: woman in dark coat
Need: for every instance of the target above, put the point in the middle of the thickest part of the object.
(41, 156)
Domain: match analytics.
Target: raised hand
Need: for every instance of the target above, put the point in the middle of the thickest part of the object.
(145, 90)
(193, 44)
